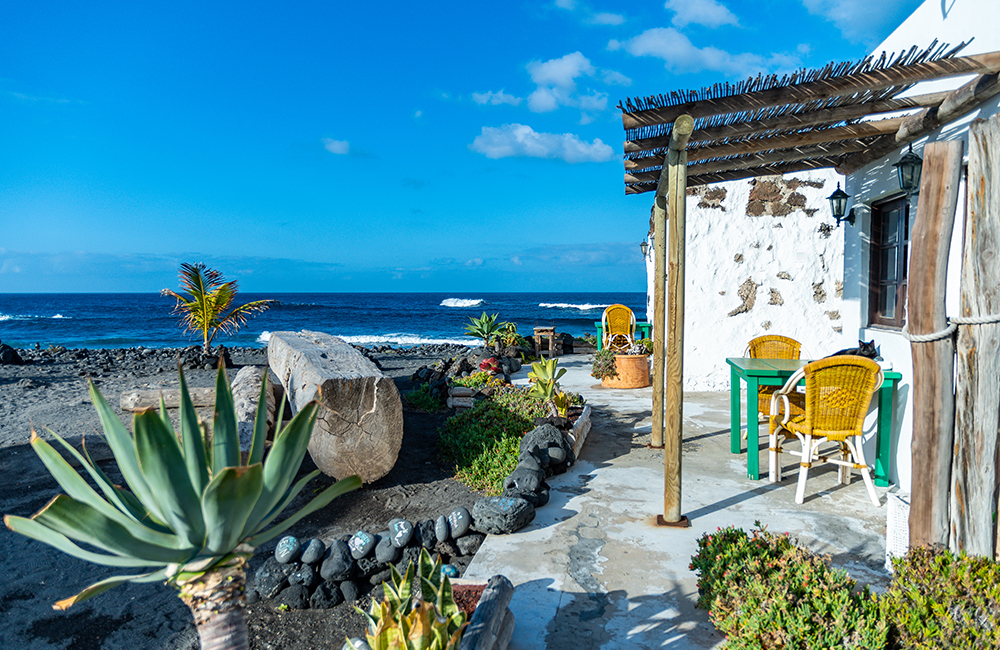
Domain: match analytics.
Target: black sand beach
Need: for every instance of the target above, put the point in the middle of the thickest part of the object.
(49, 392)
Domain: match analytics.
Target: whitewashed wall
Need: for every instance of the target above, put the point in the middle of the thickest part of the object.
(776, 238)
(949, 22)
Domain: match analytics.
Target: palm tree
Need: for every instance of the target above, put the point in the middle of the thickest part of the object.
(193, 512)
(209, 296)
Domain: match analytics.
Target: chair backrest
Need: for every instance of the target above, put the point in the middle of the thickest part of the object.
(774, 346)
(839, 390)
(618, 319)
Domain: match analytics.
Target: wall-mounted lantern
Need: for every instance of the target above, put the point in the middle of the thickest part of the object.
(908, 171)
(644, 247)
(838, 206)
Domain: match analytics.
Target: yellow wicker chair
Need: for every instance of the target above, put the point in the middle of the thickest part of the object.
(838, 392)
(618, 323)
(774, 346)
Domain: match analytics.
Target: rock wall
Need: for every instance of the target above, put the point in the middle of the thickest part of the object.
(763, 256)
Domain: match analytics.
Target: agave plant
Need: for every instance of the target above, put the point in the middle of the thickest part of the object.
(545, 376)
(193, 512)
(485, 327)
(418, 612)
(209, 296)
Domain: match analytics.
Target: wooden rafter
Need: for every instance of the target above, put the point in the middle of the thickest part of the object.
(815, 119)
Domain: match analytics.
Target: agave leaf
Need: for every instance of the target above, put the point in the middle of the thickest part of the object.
(278, 509)
(163, 466)
(79, 521)
(260, 423)
(227, 502)
(446, 599)
(191, 439)
(282, 464)
(123, 449)
(109, 583)
(79, 490)
(164, 415)
(321, 501)
(225, 434)
(34, 530)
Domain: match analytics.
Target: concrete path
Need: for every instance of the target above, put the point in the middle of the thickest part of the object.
(594, 571)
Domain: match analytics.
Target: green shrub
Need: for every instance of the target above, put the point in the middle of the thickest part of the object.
(763, 591)
(484, 442)
(477, 380)
(938, 600)
(423, 399)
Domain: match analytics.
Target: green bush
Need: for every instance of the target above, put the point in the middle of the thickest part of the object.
(938, 600)
(763, 591)
(484, 442)
(477, 380)
(423, 399)
(604, 364)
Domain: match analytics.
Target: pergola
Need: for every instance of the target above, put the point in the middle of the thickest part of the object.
(842, 116)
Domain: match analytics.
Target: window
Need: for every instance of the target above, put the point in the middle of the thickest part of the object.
(889, 250)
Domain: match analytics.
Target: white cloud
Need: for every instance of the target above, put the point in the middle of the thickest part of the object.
(605, 18)
(516, 261)
(566, 4)
(862, 21)
(543, 100)
(615, 78)
(516, 140)
(418, 114)
(495, 98)
(475, 261)
(336, 146)
(679, 54)
(562, 71)
(709, 13)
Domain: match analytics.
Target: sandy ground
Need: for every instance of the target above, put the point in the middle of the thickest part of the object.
(134, 617)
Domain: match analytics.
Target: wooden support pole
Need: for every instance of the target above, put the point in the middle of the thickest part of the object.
(659, 306)
(933, 362)
(977, 396)
(673, 429)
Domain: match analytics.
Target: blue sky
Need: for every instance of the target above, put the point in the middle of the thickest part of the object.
(344, 146)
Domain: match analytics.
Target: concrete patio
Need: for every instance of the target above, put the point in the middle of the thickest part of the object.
(594, 571)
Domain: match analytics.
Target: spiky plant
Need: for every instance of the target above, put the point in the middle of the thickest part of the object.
(192, 514)
(203, 310)
(485, 327)
(418, 612)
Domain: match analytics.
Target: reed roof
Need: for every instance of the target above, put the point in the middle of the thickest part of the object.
(844, 116)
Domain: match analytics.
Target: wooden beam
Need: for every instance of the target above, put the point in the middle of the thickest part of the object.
(659, 306)
(785, 141)
(740, 174)
(815, 90)
(958, 103)
(933, 361)
(760, 160)
(977, 394)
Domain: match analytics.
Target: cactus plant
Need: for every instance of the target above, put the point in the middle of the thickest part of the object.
(193, 512)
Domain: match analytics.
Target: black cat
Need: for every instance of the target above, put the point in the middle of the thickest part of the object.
(866, 349)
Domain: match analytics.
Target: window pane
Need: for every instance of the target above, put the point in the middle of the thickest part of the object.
(891, 230)
(887, 306)
(888, 265)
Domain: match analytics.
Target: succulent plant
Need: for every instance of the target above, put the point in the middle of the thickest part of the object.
(424, 588)
(192, 513)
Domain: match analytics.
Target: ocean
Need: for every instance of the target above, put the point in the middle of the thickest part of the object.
(116, 320)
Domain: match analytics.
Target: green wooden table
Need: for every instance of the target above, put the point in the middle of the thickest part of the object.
(642, 331)
(775, 372)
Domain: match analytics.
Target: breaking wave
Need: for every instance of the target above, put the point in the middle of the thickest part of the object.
(567, 305)
(462, 302)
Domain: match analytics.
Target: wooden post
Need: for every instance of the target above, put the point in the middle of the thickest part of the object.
(933, 361)
(674, 423)
(659, 305)
(977, 396)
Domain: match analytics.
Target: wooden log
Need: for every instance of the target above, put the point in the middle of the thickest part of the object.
(933, 362)
(359, 429)
(137, 400)
(674, 383)
(488, 619)
(659, 253)
(246, 394)
(977, 397)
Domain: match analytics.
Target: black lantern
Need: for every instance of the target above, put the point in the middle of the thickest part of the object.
(644, 247)
(908, 170)
(838, 205)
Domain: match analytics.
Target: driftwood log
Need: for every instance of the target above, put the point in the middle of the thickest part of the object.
(137, 400)
(359, 429)
(977, 410)
(492, 624)
(246, 394)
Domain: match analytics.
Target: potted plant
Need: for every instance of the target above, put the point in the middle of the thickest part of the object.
(628, 368)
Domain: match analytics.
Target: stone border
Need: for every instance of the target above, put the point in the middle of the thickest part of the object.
(578, 434)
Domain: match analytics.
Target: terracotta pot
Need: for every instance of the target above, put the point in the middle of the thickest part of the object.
(633, 372)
